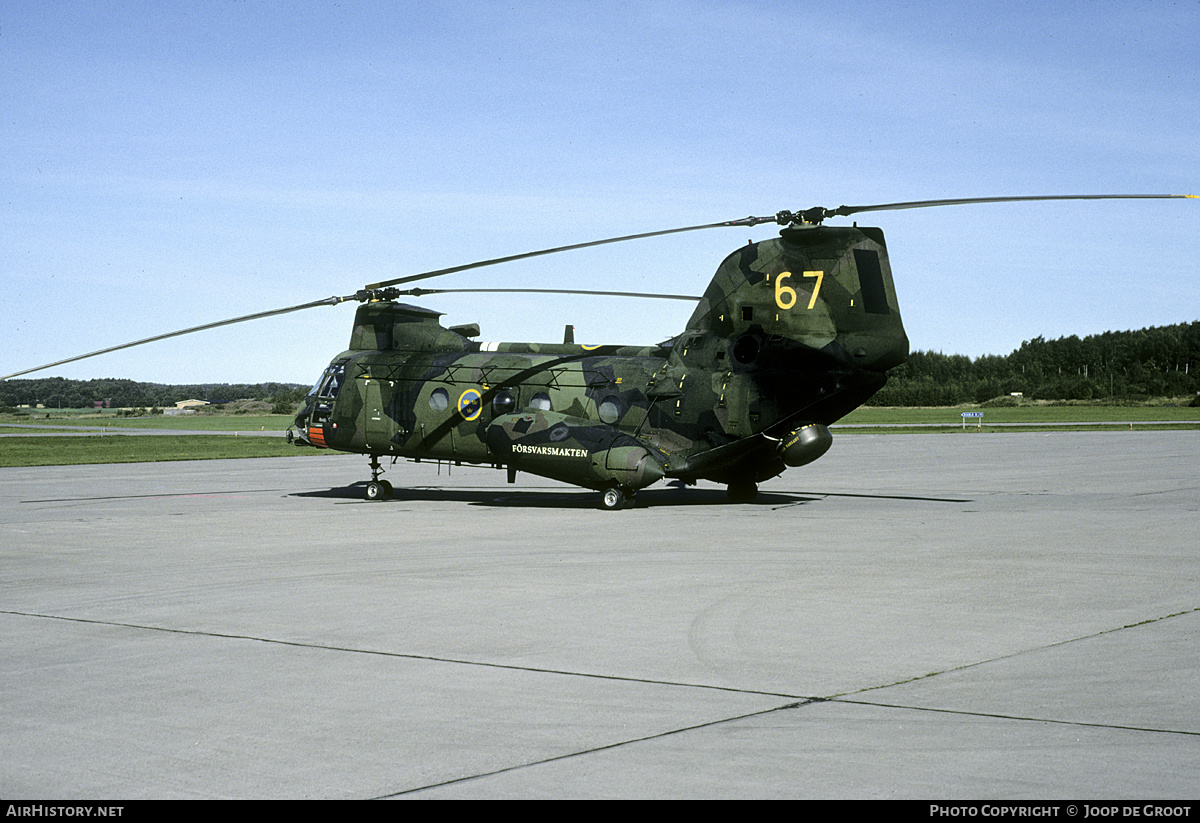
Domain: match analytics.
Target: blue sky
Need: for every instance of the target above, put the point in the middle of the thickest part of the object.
(172, 164)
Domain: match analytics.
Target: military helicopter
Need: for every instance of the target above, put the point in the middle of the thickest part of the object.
(791, 334)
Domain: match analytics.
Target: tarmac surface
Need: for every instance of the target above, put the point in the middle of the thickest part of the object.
(931, 616)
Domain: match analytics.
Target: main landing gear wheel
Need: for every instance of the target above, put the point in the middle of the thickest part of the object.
(742, 492)
(616, 498)
(379, 490)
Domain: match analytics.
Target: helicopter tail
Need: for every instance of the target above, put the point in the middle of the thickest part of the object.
(826, 289)
(798, 330)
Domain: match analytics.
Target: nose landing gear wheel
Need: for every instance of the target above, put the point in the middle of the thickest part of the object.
(378, 489)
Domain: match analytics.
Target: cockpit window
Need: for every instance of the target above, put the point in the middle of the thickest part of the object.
(331, 381)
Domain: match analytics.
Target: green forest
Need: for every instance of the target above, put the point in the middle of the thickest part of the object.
(60, 393)
(1162, 361)
(1122, 366)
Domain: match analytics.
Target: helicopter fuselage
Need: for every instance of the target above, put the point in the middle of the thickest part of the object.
(790, 336)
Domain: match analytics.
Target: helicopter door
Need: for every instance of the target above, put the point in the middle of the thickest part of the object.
(378, 422)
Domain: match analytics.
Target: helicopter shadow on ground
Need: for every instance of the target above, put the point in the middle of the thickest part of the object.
(567, 498)
(356, 493)
(570, 498)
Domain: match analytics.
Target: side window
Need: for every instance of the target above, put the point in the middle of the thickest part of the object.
(610, 409)
(439, 400)
(504, 401)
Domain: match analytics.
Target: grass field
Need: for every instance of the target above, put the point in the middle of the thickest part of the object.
(68, 451)
(1021, 418)
(1063, 415)
(98, 447)
(193, 422)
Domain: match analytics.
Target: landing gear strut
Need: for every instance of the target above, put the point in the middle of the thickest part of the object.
(378, 489)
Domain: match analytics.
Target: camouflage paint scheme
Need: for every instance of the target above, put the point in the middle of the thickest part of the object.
(791, 334)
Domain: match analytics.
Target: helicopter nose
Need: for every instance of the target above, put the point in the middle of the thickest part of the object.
(301, 421)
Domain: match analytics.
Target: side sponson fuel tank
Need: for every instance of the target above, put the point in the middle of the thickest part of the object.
(574, 450)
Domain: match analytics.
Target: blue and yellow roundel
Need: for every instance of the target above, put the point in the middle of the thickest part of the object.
(470, 404)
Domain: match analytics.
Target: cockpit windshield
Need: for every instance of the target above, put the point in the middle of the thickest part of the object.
(331, 381)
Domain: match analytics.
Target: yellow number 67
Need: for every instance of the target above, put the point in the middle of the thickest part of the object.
(785, 296)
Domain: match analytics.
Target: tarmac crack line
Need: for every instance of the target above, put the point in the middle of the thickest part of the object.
(1056, 644)
(1001, 716)
(796, 701)
(159, 495)
(596, 749)
(844, 696)
(411, 656)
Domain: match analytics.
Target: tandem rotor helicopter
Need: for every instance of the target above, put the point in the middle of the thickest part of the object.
(791, 334)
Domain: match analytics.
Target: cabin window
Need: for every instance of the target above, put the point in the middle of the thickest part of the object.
(439, 400)
(540, 401)
(504, 402)
(610, 409)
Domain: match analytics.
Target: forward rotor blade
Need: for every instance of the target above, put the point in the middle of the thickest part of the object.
(814, 215)
(412, 278)
(844, 211)
(419, 292)
(329, 301)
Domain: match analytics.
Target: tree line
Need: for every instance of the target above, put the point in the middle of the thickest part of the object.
(1161, 361)
(60, 393)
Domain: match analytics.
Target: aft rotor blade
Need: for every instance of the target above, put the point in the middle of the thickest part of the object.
(813, 215)
(844, 211)
(329, 301)
(420, 292)
(412, 278)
